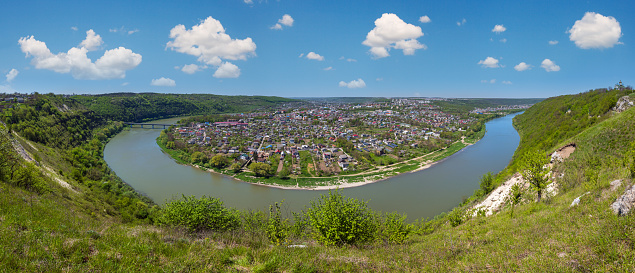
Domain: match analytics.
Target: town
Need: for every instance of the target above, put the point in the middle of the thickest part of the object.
(325, 139)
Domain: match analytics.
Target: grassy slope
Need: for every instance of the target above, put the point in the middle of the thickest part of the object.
(52, 234)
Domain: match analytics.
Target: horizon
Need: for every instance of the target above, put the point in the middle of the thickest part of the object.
(404, 49)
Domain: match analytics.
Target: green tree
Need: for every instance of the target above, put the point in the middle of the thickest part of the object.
(487, 183)
(284, 173)
(219, 161)
(535, 171)
(236, 167)
(198, 158)
(261, 169)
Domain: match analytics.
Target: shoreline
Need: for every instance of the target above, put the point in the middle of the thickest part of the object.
(342, 184)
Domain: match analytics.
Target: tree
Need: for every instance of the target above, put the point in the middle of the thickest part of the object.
(8, 158)
(199, 157)
(535, 172)
(487, 183)
(219, 161)
(261, 169)
(236, 167)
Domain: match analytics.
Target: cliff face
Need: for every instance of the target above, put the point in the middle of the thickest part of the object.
(623, 104)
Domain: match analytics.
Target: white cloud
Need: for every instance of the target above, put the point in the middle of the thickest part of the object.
(499, 29)
(132, 31)
(286, 20)
(209, 42)
(424, 19)
(492, 81)
(125, 84)
(392, 32)
(92, 41)
(328, 68)
(227, 70)
(379, 79)
(504, 40)
(314, 56)
(249, 1)
(192, 68)
(507, 82)
(554, 42)
(12, 74)
(489, 62)
(549, 66)
(351, 60)
(522, 66)
(163, 82)
(595, 31)
(462, 22)
(276, 27)
(301, 55)
(112, 65)
(359, 83)
(74, 28)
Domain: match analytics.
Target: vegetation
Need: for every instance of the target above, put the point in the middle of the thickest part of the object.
(535, 172)
(84, 228)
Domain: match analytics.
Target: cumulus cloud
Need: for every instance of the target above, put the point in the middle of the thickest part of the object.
(328, 68)
(286, 20)
(462, 22)
(192, 68)
(554, 42)
(163, 82)
(227, 70)
(74, 28)
(112, 65)
(92, 41)
(314, 56)
(209, 42)
(359, 83)
(499, 29)
(424, 19)
(12, 74)
(507, 82)
(595, 31)
(489, 62)
(549, 66)
(276, 27)
(392, 32)
(522, 66)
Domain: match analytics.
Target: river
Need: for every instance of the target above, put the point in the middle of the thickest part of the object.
(136, 158)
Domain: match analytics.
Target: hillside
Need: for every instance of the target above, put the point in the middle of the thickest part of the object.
(52, 228)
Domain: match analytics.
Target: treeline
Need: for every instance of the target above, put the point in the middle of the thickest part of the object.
(73, 142)
(132, 107)
(465, 105)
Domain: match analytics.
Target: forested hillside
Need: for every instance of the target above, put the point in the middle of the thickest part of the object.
(138, 107)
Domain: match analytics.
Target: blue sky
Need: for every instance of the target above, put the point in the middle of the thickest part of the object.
(304, 48)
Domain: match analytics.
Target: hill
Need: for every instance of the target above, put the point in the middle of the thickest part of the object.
(45, 226)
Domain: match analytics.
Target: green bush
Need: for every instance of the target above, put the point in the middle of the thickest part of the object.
(456, 217)
(206, 213)
(394, 229)
(337, 221)
(487, 183)
(277, 229)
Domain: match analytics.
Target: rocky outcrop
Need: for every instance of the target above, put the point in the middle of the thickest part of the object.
(623, 104)
(624, 203)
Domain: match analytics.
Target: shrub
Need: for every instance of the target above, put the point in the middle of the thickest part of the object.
(337, 221)
(277, 229)
(206, 213)
(456, 217)
(395, 230)
(487, 183)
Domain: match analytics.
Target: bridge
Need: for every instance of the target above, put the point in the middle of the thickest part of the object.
(148, 125)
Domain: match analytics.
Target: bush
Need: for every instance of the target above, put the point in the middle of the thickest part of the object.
(206, 213)
(487, 183)
(456, 217)
(338, 221)
(277, 229)
(395, 230)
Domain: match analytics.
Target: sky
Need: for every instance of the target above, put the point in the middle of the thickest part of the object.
(306, 48)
